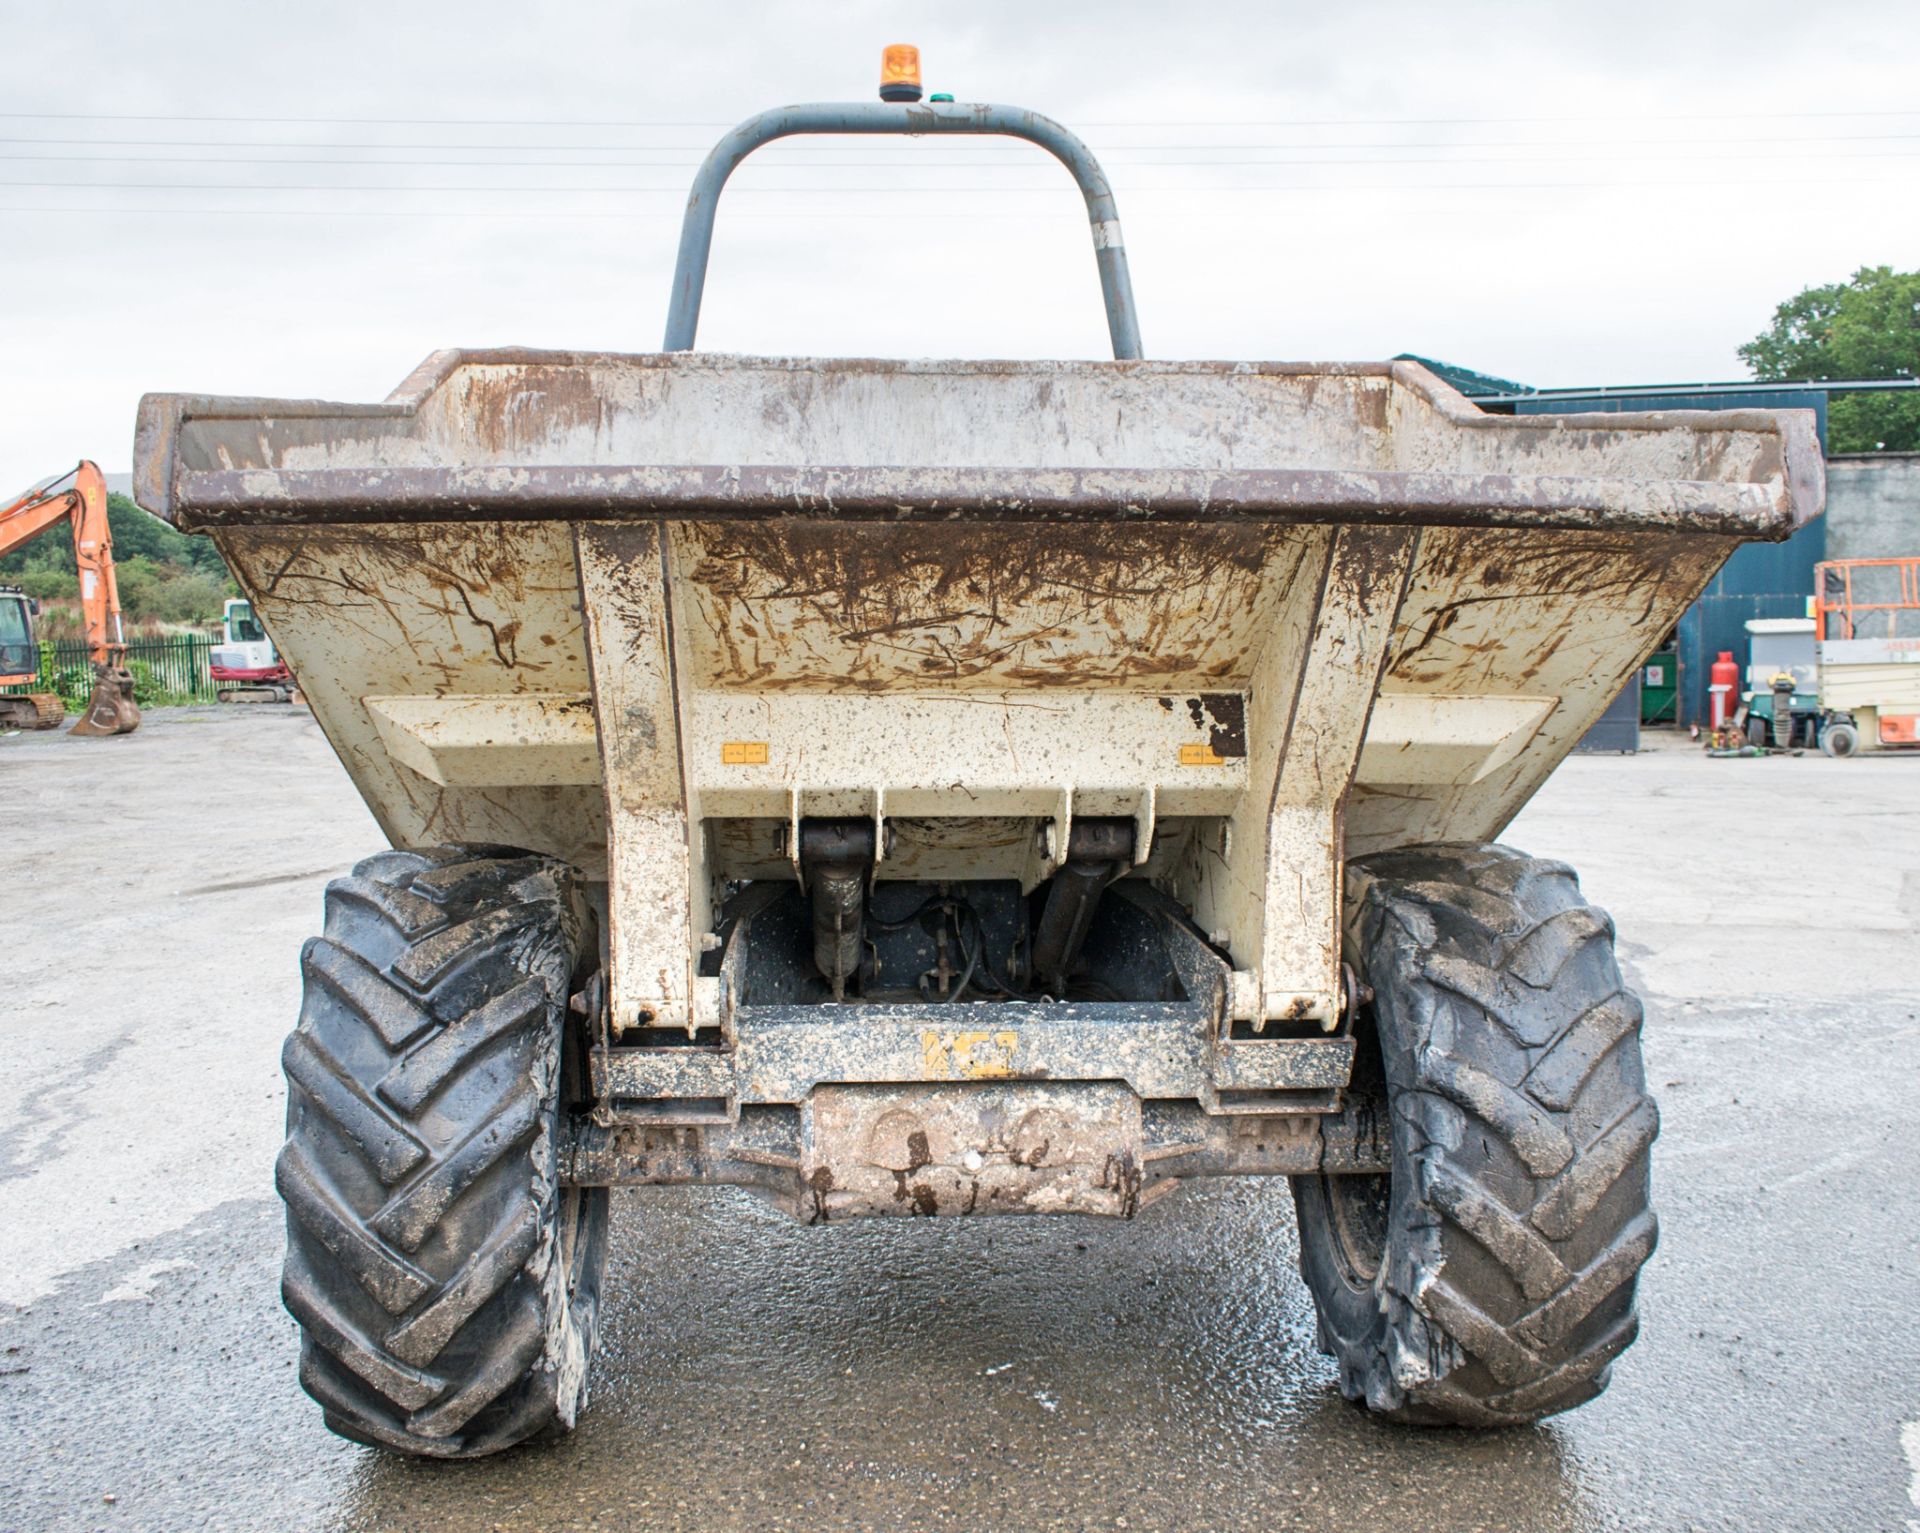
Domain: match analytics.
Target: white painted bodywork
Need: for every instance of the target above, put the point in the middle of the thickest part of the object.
(556, 602)
(1882, 674)
(236, 652)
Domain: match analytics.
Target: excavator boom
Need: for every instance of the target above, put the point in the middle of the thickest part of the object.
(81, 500)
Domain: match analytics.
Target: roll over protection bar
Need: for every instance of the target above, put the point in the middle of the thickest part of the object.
(928, 118)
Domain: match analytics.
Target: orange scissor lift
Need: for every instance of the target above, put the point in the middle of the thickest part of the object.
(1867, 640)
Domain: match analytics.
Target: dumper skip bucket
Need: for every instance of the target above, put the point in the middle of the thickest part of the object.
(653, 614)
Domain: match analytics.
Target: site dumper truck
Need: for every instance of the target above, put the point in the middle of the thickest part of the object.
(940, 788)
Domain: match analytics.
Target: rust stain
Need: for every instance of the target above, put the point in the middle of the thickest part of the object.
(1504, 604)
(1122, 1175)
(1224, 716)
(815, 604)
(435, 599)
(513, 410)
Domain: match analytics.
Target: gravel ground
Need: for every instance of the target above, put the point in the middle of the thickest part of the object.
(978, 1375)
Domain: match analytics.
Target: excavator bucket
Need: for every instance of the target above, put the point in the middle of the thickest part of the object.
(111, 709)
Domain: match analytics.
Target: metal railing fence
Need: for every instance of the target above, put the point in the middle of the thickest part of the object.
(176, 667)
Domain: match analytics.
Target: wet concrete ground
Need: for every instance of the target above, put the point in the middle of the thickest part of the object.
(978, 1375)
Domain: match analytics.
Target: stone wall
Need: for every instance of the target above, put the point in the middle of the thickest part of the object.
(1873, 505)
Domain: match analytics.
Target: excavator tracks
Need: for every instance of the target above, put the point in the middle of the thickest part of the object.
(32, 710)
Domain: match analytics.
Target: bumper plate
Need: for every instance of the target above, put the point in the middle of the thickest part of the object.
(972, 1149)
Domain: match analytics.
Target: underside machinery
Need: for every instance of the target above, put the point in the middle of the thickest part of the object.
(947, 788)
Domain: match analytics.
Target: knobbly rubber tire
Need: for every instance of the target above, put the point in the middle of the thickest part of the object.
(446, 1284)
(1489, 1281)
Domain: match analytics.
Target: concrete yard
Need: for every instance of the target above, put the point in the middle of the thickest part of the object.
(965, 1374)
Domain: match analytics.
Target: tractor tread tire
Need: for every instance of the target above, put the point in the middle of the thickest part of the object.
(1518, 1217)
(446, 1285)
(32, 710)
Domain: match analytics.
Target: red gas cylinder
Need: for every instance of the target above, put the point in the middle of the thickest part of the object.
(1723, 689)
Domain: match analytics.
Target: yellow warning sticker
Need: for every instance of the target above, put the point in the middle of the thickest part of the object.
(968, 1056)
(1201, 755)
(743, 753)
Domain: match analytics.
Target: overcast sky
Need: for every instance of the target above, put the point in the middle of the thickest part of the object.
(1559, 193)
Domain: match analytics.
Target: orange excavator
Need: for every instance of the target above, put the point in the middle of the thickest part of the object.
(80, 498)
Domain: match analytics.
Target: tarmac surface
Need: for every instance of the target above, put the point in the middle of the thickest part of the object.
(966, 1374)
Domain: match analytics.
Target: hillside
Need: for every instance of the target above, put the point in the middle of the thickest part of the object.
(167, 579)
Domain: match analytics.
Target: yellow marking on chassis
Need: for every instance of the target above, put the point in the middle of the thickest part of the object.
(968, 1056)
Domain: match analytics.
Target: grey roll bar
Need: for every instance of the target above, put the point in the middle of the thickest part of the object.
(696, 231)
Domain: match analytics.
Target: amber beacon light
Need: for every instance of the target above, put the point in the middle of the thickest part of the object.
(900, 72)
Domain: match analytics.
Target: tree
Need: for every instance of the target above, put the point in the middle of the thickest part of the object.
(136, 535)
(164, 576)
(1866, 327)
